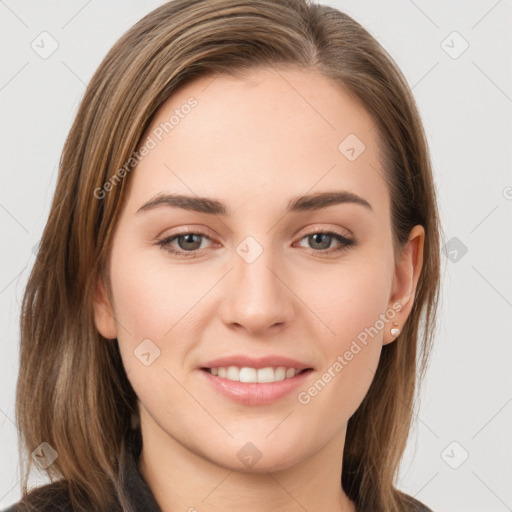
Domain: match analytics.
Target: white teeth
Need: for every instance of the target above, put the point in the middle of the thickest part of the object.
(280, 373)
(266, 375)
(233, 373)
(290, 373)
(247, 374)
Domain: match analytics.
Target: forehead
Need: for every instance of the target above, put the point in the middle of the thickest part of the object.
(261, 139)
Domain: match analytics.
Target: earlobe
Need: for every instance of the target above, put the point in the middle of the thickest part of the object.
(407, 273)
(103, 312)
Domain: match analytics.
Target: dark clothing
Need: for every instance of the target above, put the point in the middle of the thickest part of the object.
(54, 497)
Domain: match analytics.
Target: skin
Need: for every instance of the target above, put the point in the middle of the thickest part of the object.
(254, 144)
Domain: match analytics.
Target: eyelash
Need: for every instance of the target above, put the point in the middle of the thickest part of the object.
(165, 243)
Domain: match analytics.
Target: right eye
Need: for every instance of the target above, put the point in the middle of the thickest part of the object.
(188, 243)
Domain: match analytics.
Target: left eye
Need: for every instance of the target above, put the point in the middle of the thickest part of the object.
(189, 243)
(324, 239)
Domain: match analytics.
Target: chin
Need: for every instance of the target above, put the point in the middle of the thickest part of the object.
(257, 457)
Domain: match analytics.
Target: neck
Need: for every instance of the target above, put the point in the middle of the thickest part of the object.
(181, 479)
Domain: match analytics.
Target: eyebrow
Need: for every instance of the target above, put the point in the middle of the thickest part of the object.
(210, 206)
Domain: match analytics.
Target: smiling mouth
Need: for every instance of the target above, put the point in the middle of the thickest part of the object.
(255, 375)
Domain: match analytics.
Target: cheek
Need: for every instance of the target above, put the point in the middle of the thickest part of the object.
(150, 303)
(354, 305)
(350, 299)
(152, 298)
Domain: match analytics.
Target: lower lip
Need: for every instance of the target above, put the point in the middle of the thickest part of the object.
(251, 393)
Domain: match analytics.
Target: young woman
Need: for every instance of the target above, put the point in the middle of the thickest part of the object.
(226, 304)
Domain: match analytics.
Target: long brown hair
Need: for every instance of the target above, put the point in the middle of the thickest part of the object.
(72, 390)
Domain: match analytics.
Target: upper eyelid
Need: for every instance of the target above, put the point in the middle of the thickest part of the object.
(320, 226)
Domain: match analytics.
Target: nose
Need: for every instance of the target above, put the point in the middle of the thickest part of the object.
(257, 297)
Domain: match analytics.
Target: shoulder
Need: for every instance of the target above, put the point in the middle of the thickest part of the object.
(415, 505)
(52, 497)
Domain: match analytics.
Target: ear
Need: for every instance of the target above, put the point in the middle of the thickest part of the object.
(103, 312)
(405, 281)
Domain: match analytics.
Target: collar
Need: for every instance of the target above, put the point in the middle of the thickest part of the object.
(137, 490)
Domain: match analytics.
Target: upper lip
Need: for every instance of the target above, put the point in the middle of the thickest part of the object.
(250, 362)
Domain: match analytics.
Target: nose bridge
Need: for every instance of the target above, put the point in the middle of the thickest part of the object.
(255, 278)
(257, 298)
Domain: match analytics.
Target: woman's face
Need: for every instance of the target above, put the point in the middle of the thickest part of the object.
(265, 276)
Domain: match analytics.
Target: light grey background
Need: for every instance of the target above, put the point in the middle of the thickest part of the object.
(466, 104)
